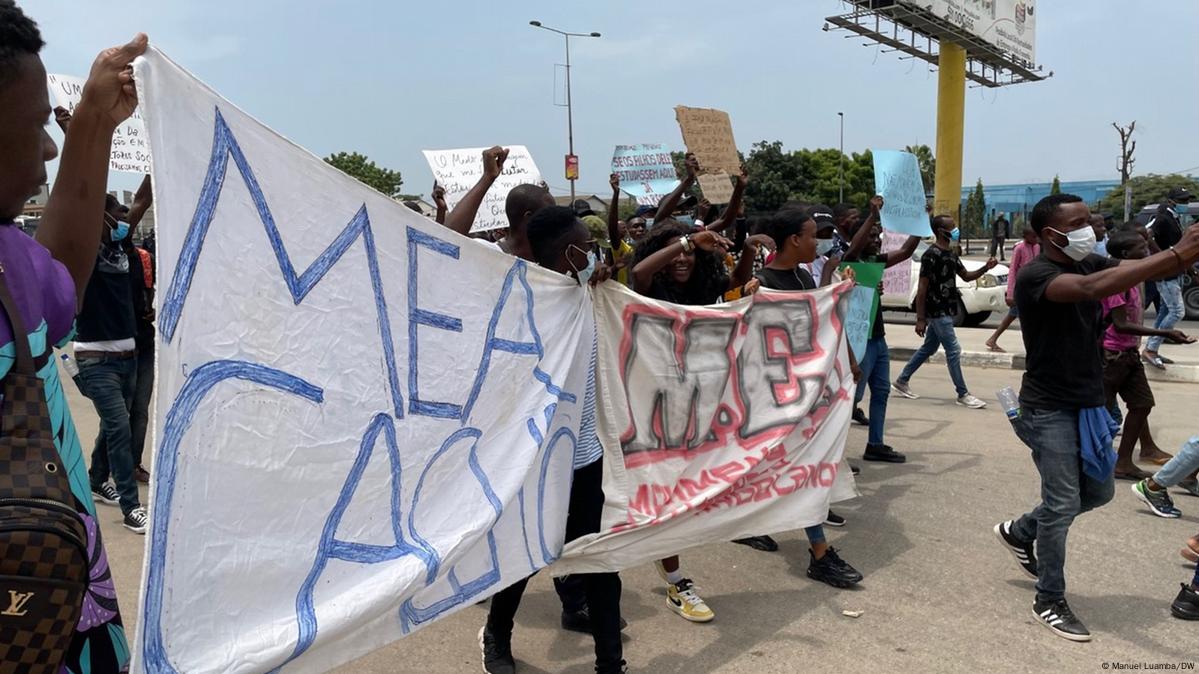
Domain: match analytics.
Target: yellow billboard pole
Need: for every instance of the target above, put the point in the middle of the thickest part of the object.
(951, 107)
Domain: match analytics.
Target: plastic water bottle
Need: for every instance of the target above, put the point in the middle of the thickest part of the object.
(1010, 403)
(70, 365)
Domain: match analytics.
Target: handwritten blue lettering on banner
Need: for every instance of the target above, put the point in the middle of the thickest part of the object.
(857, 319)
(646, 171)
(897, 179)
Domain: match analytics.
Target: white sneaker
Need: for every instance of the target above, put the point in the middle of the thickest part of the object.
(904, 390)
(970, 401)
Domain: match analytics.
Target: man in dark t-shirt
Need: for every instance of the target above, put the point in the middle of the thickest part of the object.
(1058, 295)
(937, 302)
(875, 361)
(1167, 232)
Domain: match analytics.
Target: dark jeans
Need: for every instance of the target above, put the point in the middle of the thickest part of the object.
(876, 373)
(601, 589)
(109, 383)
(1066, 492)
(997, 245)
(139, 414)
(939, 333)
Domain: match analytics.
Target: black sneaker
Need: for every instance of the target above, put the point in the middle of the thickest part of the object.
(580, 621)
(1186, 604)
(1057, 616)
(106, 494)
(497, 656)
(854, 469)
(762, 543)
(883, 453)
(832, 519)
(1025, 556)
(859, 417)
(136, 520)
(833, 570)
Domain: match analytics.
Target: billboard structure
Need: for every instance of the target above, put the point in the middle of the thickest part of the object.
(998, 36)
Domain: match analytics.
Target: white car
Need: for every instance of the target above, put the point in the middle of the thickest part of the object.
(979, 297)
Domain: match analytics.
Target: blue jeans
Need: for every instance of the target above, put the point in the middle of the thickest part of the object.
(815, 534)
(1181, 466)
(110, 384)
(876, 373)
(1170, 291)
(939, 334)
(1066, 492)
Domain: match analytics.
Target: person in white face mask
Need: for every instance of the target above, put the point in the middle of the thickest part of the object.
(1062, 417)
(937, 303)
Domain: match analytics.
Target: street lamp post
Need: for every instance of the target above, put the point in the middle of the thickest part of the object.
(570, 128)
(841, 161)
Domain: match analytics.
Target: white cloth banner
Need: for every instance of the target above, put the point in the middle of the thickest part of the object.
(364, 421)
(458, 170)
(130, 152)
(315, 494)
(718, 422)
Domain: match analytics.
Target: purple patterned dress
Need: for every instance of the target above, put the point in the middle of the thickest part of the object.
(45, 296)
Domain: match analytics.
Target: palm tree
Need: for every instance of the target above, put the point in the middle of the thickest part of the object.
(927, 162)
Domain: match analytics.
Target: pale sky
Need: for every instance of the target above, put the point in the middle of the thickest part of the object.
(389, 79)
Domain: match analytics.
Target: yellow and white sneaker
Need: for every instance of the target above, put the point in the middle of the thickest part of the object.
(683, 600)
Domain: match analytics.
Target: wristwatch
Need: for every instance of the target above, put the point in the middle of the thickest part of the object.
(685, 242)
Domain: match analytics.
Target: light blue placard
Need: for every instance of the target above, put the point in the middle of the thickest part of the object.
(646, 171)
(857, 319)
(897, 179)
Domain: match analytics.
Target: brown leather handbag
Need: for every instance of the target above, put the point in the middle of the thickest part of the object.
(43, 540)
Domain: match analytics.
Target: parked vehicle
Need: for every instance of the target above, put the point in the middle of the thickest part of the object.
(979, 298)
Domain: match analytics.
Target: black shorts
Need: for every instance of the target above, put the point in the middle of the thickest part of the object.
(1124, 374)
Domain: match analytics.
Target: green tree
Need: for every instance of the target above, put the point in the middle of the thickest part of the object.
(1056, 187)
(1146, 189)
(928, 164)
(367, 172)
(975, 216)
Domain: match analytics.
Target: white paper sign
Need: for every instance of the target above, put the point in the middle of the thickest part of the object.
(459, 170)
(364, 420)
(130, 152)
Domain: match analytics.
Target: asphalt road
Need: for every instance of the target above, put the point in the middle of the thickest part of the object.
(939, 594)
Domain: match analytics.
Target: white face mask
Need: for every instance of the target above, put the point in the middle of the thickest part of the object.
(1079, 243)
(823, 246)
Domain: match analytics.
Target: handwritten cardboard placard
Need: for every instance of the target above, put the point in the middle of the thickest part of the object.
(459, 170)
(717, 187)
(897, 179)
(646, 171)
(130, 151)
(708, 134)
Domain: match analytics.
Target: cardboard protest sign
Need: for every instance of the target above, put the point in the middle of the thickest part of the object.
(897, 280)
(646, 171)
(897, 179)
(403, 404)
(717, 422)
(459, 170)
(717, 187)
(130, 151)
(708, 134)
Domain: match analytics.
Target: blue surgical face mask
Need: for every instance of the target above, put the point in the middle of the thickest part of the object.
(823, 246)
(586, 273)
(1180, 209)
(955, 234)
(119, 231)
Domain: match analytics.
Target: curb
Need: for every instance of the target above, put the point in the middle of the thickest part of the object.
(1177, 374)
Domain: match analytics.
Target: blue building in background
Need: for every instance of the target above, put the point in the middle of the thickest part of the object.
(1017, 200)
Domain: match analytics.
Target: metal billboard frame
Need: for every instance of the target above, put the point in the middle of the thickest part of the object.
(918, 33)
